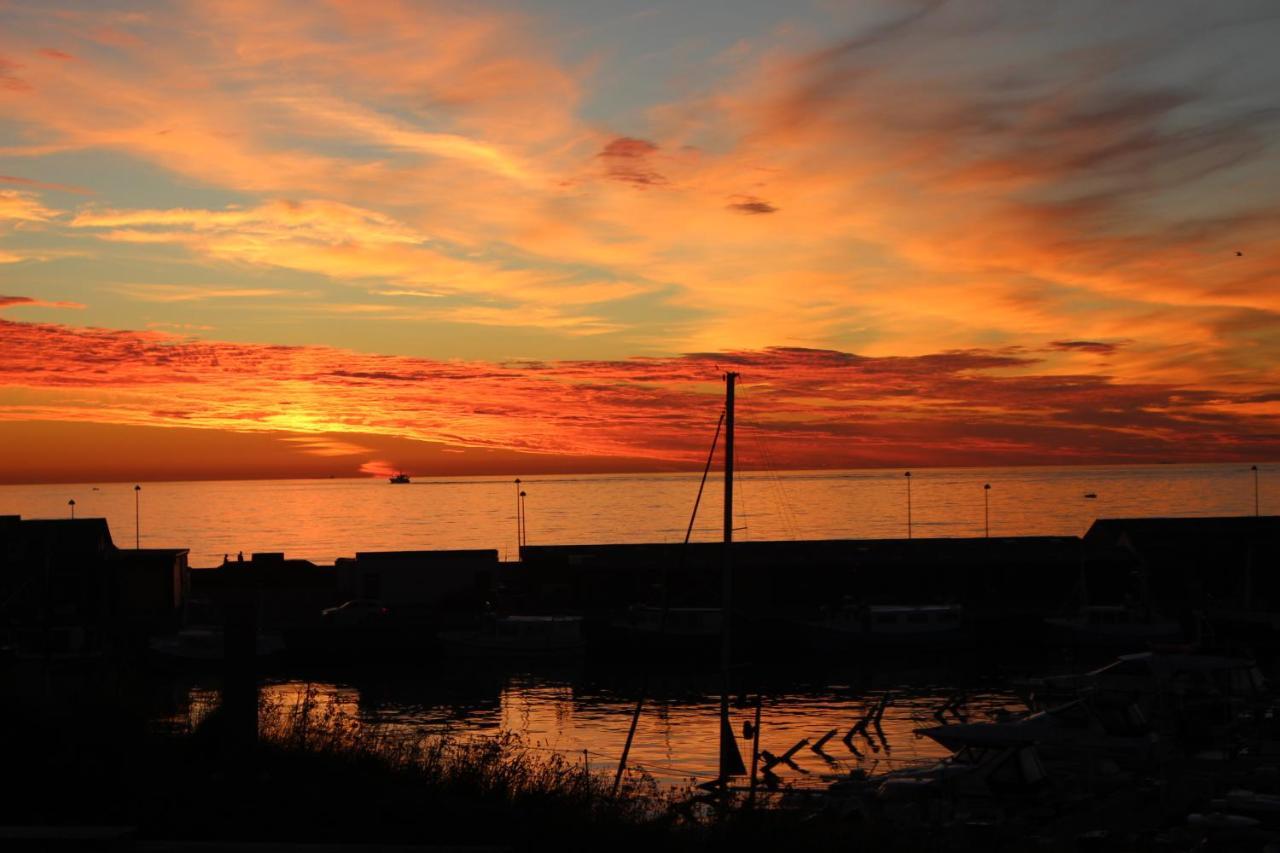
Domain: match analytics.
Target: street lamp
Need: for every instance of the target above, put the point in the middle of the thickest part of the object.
(524, 523)
(519, 520)
(986, 508)
(908, 476)
(72, 503)
(137, 518)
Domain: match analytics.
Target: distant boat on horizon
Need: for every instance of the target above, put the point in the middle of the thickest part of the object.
(400, 478)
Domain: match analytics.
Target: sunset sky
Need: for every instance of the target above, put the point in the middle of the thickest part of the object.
(297, 239)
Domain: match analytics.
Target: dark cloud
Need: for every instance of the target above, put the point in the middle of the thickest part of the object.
(882, 33)
(626, 146)
(629, 160)
(1099, 347)
(752, 206)
(1079, 113)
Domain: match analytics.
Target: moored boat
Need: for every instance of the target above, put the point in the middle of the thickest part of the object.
(518, 636)
(199, 644)
(648, 629)
(1114, 626)
(889, 625)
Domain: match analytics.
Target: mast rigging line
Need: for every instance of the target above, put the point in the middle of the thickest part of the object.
(705, 471)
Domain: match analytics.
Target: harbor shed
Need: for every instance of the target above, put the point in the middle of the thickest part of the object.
(1197, 562)
(423, 582)
(152, 584)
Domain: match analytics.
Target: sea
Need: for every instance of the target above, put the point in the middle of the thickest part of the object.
(583, 712)
(321, 520)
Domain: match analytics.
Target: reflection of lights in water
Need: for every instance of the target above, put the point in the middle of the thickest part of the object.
(677, 738)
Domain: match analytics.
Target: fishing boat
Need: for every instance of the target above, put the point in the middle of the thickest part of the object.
(518, 636)
(400, 479)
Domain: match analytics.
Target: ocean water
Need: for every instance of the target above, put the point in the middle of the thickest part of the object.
(324, 519)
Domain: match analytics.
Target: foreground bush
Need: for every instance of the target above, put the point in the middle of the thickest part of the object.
(314, 774)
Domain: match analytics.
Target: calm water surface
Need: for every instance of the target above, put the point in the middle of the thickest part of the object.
(324, 519)
(569, 711)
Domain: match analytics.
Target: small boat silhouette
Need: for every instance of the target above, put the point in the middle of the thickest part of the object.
(1090, 495)
(400, 478)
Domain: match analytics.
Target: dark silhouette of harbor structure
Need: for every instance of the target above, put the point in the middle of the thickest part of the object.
(66, 588)
(75, 606)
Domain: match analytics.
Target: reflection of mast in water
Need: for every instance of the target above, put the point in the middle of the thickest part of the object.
(563, 704)
(664, 714)
(525, 711)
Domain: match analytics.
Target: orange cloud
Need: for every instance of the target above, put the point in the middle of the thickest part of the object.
(19, 301)
(810, 408)
(919, 184)
(345, 242)
(20, 206)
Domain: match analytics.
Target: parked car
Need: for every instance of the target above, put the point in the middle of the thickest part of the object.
(360, 611)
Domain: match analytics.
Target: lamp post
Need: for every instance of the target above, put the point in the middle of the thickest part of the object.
(908, 476)
(986, 508)
(72, 503)
(524, 522)
(1256, 513)
(137, 518)
(519, 523)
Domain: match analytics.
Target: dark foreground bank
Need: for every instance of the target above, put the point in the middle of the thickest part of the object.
(310, 779)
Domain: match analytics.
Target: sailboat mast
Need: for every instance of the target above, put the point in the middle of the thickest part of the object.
(730, 758)
(729, 379)
(726, 590)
